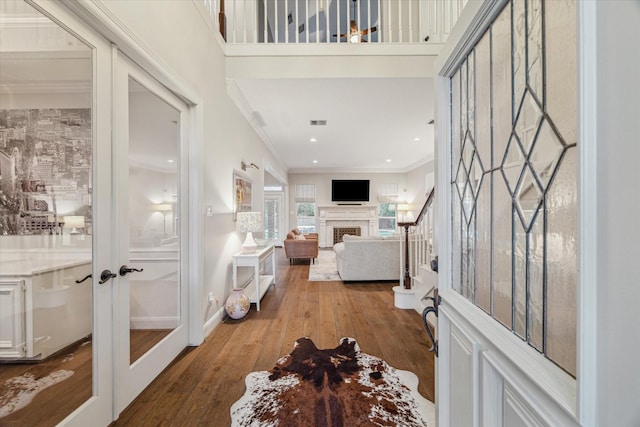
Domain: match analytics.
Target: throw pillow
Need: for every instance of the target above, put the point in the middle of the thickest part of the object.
(300, 237)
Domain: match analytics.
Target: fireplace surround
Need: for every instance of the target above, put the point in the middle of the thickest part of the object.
(360, 217)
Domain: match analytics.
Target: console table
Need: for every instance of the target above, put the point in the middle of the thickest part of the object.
(262, 282)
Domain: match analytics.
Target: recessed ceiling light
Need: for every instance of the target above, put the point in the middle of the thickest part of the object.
(416, 139)
(313, 140)
(170, 160)
(315, 162)
(388, 160)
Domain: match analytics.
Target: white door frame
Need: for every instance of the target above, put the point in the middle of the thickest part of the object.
(132, 378)
(96, 14)
(91, 19)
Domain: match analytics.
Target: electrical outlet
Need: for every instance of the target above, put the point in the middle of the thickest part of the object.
(209, 210)
(212, 299)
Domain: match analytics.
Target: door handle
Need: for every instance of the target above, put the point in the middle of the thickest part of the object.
(124, 270)
(106, 275)
(433, 309)
(84, 278)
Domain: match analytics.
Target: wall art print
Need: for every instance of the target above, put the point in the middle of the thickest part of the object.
(45, 169)
(242, 194)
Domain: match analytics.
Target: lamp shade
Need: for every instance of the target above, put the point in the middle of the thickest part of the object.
(74, 222)
(249, 222)
(162, 207)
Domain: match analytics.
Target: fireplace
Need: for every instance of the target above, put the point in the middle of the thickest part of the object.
(360, 220)
(338, 232)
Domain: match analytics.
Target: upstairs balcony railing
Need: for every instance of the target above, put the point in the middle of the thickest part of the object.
(334, 21)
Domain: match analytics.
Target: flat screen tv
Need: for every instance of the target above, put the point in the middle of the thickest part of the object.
(349, 190)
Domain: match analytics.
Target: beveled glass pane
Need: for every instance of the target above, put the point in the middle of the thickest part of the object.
(562, 249)
(471, 251)
(535, 57)
(545, 153)
(519, 28)
(483, 101)
(467, 151)
(475, 174)
(46, 218)
(456, 139)
(520, 276)
(461, 180)
(471, 91)
(464, 98)
(527, 121)
(456, 239)
(536, 277)
(483, 245)
(560, 63)
(468, 202)
(512, 164)
(501, 84)
(502, 250)
(465, 259)
(528, 197)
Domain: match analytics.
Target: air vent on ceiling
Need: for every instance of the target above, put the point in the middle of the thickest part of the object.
(318, 122)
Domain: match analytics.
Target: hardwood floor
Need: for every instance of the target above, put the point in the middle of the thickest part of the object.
(199, 386)
(54, 403)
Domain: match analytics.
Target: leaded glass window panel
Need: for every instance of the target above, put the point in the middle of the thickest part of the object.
(514, 175)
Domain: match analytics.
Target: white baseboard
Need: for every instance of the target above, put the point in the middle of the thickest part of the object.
(169, 322)
(213, 321)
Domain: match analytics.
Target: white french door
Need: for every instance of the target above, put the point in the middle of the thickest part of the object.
(274, 218)
(150, 143)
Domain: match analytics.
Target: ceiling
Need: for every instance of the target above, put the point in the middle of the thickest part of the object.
(373, 124)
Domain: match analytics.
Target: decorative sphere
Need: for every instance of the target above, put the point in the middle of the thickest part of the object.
(238, 304)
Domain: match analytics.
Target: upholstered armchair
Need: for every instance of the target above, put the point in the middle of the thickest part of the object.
(298, 245)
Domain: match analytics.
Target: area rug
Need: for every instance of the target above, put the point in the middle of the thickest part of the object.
(332, 388)
(324, 269)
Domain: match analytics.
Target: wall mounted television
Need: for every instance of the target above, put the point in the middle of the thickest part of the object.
(349, 190)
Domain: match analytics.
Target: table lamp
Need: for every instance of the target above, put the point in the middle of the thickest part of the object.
(249, 222)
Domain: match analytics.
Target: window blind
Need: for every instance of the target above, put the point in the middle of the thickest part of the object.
(305, 193)
(388, 193)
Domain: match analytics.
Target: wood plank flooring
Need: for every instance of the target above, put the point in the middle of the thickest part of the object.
(201, 384)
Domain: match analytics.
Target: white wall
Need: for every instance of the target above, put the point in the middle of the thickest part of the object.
(178, 36)
(411, 186)
(419, 183)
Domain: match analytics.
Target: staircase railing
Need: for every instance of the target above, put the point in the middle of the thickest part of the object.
(418, 241)
(323, 21)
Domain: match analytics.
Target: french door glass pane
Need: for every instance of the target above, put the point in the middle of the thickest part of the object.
(46, 218)
(154, 234)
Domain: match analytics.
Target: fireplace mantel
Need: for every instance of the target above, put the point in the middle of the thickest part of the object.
(363, 216)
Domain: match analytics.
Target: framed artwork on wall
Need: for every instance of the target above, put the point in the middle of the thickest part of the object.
(242, 193)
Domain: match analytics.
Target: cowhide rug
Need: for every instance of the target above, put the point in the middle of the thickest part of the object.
(332, 388)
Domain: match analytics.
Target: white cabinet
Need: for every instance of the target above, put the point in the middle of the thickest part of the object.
(42, 308)
(12, 319)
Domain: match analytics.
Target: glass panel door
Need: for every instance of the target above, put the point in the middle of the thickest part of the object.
(273, 217)
(50, 361)
(151, 291)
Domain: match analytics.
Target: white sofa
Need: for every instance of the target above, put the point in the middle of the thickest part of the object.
(368, 258)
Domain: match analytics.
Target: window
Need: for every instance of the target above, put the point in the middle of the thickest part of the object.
(306, 208)
(387, 209)
(514, 176)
